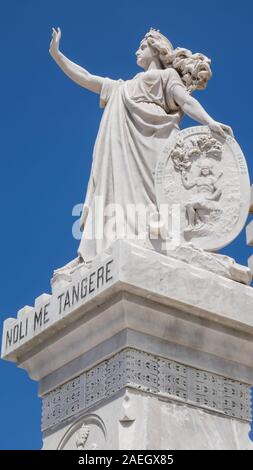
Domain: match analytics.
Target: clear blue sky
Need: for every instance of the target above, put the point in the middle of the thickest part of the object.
(48, 128)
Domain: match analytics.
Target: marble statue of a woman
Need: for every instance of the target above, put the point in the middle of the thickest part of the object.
(140, 115)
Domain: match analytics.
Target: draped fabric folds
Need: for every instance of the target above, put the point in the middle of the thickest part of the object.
(139, 117)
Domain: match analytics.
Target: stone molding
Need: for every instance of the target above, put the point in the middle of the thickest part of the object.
(57, 322)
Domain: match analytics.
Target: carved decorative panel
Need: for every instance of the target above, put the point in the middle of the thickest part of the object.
(149, 373)
(63, 402)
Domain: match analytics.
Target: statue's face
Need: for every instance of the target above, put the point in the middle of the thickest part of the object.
(145, 55)
(205, 171)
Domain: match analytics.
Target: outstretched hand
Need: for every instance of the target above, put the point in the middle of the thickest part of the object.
(55, 42)
(228, 130)
(222, 129)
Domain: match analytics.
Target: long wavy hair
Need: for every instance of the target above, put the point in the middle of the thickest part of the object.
(194, 69)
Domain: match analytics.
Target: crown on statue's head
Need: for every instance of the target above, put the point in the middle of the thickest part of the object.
(156, 34)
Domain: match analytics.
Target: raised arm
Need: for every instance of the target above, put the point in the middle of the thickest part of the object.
(193, 109)
(187, 184)
(78, 74)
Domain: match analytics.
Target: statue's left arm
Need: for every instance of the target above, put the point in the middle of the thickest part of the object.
(194, 110)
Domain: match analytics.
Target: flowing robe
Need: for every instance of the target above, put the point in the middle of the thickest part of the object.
(139, 116)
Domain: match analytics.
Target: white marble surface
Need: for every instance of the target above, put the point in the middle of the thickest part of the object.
(129, 268)
(207, 177)
(134, 297)
(134, 420)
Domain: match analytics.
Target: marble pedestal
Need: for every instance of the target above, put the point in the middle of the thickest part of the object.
(140, 351)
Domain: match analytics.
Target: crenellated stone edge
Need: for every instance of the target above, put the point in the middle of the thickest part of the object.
(51, 313)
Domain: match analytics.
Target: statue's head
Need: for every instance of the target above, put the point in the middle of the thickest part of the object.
(206, 167)
(153, 45)
(194, 69)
